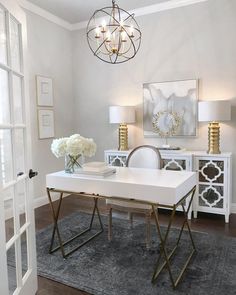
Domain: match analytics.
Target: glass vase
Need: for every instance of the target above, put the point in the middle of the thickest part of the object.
(72, 163)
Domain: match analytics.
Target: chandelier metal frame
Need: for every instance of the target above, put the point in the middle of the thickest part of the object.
(117, 40)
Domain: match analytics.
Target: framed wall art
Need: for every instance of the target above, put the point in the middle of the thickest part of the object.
(44, 91)
(170, 108)
(46, 123)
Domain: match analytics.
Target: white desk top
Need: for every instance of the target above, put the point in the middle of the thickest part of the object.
(158, 186)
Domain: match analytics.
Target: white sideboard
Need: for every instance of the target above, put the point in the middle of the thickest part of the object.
(214, 189)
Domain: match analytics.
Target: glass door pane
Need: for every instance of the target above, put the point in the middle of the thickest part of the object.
(4, 98)
(11, 266)
(3, 38)
(24, 253)
(15, 45)
(8, 195)
(6, 155)
(17, 99)
(21, 200)
(19, 151)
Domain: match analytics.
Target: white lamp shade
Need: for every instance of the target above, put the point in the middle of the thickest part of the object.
(217, 110)
(121, 114)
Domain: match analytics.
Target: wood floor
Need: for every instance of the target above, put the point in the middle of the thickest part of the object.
(204, 222)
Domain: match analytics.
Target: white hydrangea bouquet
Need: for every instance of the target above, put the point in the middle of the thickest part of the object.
(73, 148)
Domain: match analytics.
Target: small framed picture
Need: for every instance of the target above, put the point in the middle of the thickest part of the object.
(44, 91)
(46, 123)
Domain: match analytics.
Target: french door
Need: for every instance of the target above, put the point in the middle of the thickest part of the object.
(17, 229)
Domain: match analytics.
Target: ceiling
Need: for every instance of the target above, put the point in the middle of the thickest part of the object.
(74, 11)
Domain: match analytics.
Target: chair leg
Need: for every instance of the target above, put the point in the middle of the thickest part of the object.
(148, 229)
(109, 223)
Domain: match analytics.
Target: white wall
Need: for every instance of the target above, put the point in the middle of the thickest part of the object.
(50, 55)
(196, 41)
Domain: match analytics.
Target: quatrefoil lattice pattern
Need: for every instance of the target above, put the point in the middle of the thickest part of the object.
(211, 171)
(118, 161)
(172, 164)
(211, 176)
(211, 197)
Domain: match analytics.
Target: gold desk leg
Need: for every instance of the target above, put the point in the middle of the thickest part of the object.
(56, 213)
(163, 241)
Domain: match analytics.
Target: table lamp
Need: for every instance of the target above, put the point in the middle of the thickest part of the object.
(122, 115)
(214, 112)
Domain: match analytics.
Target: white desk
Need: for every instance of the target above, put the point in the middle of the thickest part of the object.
(159, 188)
(149, 185)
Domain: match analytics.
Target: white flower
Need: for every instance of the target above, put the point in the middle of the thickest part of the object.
(75, 145)
(89, 147)
(59, 146)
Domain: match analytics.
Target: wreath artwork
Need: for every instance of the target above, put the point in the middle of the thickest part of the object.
(170, 108)
(163, 119)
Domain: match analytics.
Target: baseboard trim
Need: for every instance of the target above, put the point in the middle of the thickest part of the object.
(233, 208)
(41, 201)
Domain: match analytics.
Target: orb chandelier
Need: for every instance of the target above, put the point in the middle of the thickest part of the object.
(113, 34)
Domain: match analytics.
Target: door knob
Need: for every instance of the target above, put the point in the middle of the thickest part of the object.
(32, 173)
(19, 174)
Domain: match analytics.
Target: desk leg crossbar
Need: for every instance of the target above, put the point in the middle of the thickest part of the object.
(56, 213)
(164, 237)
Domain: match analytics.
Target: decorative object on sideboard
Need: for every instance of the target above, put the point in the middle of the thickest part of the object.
(45, 123)
(170, 108)
(44, 91)
(73, 148)
(113, 34)
(122, 115)
(172, 119)
(214, 112)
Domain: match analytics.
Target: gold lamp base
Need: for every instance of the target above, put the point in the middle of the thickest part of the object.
(213, 138)
(123, 137)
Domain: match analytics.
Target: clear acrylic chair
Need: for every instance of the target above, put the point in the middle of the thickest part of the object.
(145, 156)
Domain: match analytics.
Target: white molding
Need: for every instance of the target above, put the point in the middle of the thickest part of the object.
(233, 208)
(45, 14)
(146, 10)
(171, 4)
(79, 26)
(41, 201)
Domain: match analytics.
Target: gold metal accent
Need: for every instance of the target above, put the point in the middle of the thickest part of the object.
(55, 215)
(124, 34)
(123, 137)
(163, 237)
(213, 138)
(173, 127)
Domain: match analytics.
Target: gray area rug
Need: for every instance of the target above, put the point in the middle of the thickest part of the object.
(124, 266)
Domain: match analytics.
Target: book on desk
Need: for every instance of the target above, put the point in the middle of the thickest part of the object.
(96, 169)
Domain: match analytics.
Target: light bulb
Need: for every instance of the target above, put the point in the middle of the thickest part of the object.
(97, 32)
(131, 31)
(103, 26)
(123, 36)
(108, 36)
(121, 25)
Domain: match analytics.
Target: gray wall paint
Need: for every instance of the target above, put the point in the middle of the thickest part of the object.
(197, 41)
(50, 55)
